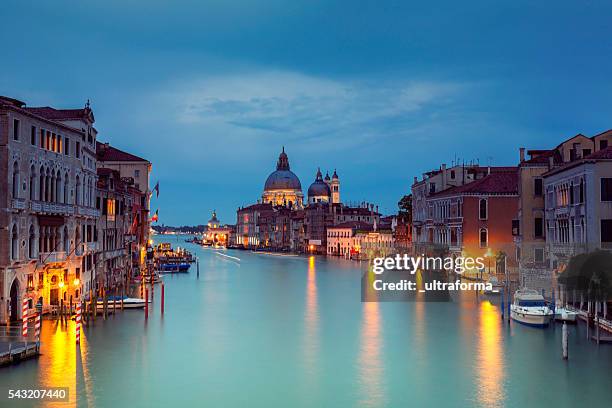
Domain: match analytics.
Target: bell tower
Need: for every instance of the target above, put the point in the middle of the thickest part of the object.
(335, 188)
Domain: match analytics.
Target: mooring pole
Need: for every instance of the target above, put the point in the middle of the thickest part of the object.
(162, 298)
(564, 343)
(146, 304)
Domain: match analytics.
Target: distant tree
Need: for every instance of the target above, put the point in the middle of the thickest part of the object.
(405, 209)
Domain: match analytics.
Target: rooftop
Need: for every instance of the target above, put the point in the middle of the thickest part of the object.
(105, 152)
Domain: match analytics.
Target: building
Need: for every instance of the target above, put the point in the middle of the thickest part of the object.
(538, 252)
(217, 234)
(283, 187)
(342, 239)
(319, 191)
(248, 222)
(48, 215)
(135, 171)
(472, 219)
(578, 198)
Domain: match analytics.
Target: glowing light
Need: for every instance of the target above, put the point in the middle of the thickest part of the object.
(61, 284)
(489, 253)
(76, 282)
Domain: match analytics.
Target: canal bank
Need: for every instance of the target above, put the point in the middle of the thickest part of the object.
(291, 331)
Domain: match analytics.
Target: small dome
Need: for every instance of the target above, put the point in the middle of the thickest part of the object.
(319, 187)
(335, 175)
(327, 176)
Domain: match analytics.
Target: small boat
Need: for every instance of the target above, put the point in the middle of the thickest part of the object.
(565, 315)
(529, 308)
(496, 286)
(171, 267)
(128, 303)
(156, 279)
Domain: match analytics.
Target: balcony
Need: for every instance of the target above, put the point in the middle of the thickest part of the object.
(52, 257)
(51, 208)
(18, 204)
(88, 212)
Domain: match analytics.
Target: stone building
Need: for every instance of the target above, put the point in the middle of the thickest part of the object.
(47, 216)
(283, 187)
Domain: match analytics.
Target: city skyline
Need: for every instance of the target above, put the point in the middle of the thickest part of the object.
(376, 94)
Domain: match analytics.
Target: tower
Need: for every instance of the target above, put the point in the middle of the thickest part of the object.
(335, 188)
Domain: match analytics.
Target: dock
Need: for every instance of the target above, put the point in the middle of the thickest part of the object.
(16, 351)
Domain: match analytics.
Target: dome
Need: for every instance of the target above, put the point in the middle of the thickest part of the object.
(283, 178)
(319, 187)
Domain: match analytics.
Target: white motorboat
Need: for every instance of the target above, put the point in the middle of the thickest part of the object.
(565, 315)
(529, 308)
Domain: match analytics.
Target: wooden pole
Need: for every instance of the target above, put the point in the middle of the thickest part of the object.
(564, 342)
(146, 304)
(162, 298)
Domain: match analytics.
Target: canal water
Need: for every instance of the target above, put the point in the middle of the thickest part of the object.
(283, 331)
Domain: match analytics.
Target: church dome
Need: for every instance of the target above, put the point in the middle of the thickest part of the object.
(283, 178)
(319, 187)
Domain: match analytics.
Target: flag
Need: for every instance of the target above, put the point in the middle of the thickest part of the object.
(155, 216)
(156, 189)
(134, 226)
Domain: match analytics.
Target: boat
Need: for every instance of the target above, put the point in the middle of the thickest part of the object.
(173, 267)
(529, 308)
(565, 315)
(156, 279)
(496, 286)
(128, 303)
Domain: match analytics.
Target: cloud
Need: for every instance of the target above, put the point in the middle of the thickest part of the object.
(306, 108)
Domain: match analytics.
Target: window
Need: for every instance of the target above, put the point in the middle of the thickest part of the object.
(33, 136)
(15, 129)
(538, 226)
(453, 174)
(538, 255)
(482, 209)
(14, 244)
(606, 231)
(606, 189)
(586, 152)
(603, 144)
(78, 150)
(484, 237)
(136, 173)
(516, 227)
(32, 243)
(42, 138)
(537, 187)
(581, 192)
(432, 188)
(67, 147)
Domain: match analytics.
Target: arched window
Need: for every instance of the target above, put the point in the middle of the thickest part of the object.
(32, 243)
(581, 191)
(58, 188)
(32, 183)
(66, 240)
(66, 188)
(77, 196)
(483, 210)
(484, 237)
(41, 184)
(48, 186)
(15, 180)
(14, 244)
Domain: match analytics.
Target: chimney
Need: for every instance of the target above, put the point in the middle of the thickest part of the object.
(488, 170)
(444, 175)
(551, 162)
(416, 180)
(522, 154)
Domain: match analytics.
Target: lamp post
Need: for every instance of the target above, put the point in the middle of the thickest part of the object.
(488, 255)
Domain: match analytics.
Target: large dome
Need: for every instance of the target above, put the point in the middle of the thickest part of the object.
(319, 187)
(283, 178)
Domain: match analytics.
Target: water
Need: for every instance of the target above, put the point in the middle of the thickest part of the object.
(272, 331)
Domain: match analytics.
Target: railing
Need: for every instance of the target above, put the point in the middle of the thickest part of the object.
(19, 204)
(50, 257)
(88, 211)
(53, 208)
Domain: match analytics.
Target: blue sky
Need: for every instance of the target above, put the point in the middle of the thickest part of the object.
(382, 91)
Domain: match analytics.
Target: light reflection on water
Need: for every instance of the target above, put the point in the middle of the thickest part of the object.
(370, 363)
(490, 361)
(311, 322)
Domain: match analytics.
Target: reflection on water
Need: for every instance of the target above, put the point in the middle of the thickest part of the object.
(311, 320)
(490, 363)
(370, 363)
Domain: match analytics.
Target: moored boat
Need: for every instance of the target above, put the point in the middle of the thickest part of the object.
(565, 315)
(128, 303)
(529, 308)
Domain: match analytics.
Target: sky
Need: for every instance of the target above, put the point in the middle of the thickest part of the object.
(381, 91)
